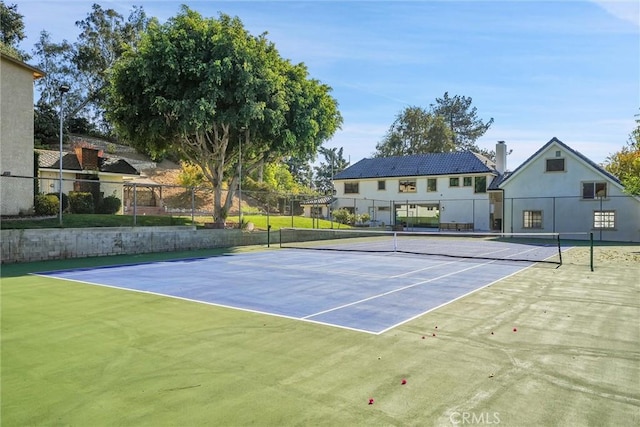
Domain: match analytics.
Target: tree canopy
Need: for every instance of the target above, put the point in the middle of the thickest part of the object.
(11, 31)
(334, 162)
(222, 98)
(625, 164)
(84, 65)
(451, 124)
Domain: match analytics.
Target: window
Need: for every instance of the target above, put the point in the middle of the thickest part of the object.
(454, 182)
(604, 219)
(383, 208)
(593, 190)
(382, 185)
(480, 185)
(407, 186)
(351, 188)
(555, 165)
(467, 181)
(532, 219)
(432, 184)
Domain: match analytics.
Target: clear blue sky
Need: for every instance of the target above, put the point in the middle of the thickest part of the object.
(563, 68)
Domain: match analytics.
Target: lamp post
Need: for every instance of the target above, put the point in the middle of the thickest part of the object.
(63, 89)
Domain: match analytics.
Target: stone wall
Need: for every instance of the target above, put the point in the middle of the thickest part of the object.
(62, 243)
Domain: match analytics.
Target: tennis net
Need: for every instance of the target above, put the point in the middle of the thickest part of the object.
(525, 247)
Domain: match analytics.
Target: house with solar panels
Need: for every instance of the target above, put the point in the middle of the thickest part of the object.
(437, 190)
(556, 190)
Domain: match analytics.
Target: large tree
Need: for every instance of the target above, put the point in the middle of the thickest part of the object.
(84, 65)
(220, 97)
(625, 164)
(11, 31)
(462, 119)
(334, 162)
(416, 131)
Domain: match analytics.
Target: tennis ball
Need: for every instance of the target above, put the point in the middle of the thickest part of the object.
(515, 329)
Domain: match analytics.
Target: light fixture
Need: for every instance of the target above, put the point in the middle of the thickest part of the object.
(63, 89)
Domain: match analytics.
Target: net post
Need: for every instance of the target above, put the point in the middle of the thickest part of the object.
(559, 248)
(280, 233)
(395, 241)
(591, 250)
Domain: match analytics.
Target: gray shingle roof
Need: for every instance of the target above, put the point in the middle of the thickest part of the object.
(48, 159)
(322, 200)
(418, 165)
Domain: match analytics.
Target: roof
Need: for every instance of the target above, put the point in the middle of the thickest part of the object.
(323, 200)
(462, 162)
(49, 159)
(555, 140)
(37, 73)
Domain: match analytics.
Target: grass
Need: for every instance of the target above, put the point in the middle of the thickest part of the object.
(74, 354)
(100, 220)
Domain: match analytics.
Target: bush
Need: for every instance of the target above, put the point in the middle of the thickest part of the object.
(109, 205)
(343, 216)
(46, 204)
(65, 200)
(81, 203)
(190, 175)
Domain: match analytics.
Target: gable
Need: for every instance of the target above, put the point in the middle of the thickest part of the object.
(555, 169)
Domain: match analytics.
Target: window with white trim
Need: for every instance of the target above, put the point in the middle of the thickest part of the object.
(594, 190)
(532, 219)
(351, 188)
(407, 186)
(604, 219)
(555, 165)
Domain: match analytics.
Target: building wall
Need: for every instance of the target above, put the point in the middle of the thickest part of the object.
(110, 184)
(456, 204)
(16, 137)
(558, 195)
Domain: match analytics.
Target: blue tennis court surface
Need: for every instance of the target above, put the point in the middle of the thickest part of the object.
(365, 292)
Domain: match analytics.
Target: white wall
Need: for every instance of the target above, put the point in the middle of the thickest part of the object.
(16, 137)
(461, 204)
(559, 196)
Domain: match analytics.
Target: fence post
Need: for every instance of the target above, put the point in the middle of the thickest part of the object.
(135, 205)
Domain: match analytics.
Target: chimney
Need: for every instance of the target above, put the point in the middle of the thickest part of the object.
(501, 157)
(88, 157)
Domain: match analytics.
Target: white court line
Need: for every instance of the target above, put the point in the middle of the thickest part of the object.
(396, 290)
(214, 304)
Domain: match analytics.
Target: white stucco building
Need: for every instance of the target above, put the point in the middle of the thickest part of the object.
(16, 135)
(556, 190)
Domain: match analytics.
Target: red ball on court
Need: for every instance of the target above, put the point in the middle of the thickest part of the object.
(371, 401)
(403, 382)
(515, 329)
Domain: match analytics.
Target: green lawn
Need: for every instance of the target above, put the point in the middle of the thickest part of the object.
(100, 220)
(80, 355)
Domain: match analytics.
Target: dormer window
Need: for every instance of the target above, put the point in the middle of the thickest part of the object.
(555, 165)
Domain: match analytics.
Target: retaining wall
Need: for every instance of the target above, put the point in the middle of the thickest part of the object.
(62, 243)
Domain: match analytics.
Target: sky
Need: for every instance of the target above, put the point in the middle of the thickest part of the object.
(541, 69)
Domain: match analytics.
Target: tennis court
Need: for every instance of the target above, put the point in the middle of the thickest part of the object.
(368, 292)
